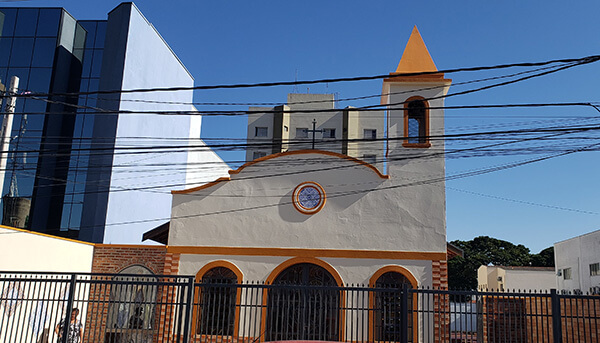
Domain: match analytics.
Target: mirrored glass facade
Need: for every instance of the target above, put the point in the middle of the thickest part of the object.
(64, 167)
(50, 52)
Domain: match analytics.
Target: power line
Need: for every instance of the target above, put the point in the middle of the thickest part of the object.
(454, 177)
(311, 161)
(184, 148)
(582, 60)
(321, 101)
(522, 201)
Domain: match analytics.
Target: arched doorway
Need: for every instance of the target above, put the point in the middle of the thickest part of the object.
(304, 304)
(217, 301)
(387, 305)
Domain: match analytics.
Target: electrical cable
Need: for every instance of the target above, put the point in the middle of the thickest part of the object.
(579, 61)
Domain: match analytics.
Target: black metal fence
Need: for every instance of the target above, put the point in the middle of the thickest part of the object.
(154, 308)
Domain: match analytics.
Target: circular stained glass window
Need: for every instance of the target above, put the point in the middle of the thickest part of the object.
(308, 197)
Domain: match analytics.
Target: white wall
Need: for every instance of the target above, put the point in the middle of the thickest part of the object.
(24, 251)
(254, 209)
(515, 278)
(578, 253)
(149, 62)
(530, 280)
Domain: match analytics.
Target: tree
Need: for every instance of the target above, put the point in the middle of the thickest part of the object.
(544, 259)
(483, 250)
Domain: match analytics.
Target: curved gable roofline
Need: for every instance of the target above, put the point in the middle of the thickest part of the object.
(281, 154)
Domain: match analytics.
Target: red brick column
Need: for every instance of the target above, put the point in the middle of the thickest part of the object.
(441, 303)
(166, 314)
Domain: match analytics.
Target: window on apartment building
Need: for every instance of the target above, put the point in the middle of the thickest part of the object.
(261, 131)
(328, 133)
(370, 134)
(370, 158)
(416, 123)
(302, 132)
(216, 313)
(567, 274)
(594, 269)
(258, 154)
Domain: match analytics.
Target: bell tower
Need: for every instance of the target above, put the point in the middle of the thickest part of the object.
(414, 116)
(415, 157)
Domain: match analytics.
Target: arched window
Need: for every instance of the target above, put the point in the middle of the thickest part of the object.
(416, 123)
(387, 306)
(303, 313)
(217, 302)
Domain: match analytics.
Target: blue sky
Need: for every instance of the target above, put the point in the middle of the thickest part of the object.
(256, 41)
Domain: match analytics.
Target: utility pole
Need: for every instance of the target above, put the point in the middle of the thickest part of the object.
(6, 128)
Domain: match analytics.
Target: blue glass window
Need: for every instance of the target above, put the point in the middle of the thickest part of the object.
(3, 78)
(43, 52)
(100, 35)
(26, 22)
(5, 48)
(90, 27)
(39, 80)
(88, 56)
(33, 108)
(96, 63)
(48, 22)
(21, 73)
(22, 50)
(8, 28)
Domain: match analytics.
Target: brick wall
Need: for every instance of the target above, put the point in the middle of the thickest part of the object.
(441, 303)
(112, 259)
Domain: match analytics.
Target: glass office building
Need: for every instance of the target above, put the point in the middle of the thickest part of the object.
(53, 182)
(44, 48)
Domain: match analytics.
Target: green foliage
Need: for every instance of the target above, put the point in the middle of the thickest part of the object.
(483, 250)
(544, 259)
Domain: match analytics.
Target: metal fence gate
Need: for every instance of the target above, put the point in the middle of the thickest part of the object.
(114, 308)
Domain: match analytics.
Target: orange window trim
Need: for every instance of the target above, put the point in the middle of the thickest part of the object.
(296, 199)
(406, 143)
(413, 282)
(297, 260)
(197, 296)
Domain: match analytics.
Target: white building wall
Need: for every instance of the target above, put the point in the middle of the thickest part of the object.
(149, 62)
(260, 214)
(577, 254)
(21, 250)
(515, 278)
(203, 164)
(543, 280)
(259, 120)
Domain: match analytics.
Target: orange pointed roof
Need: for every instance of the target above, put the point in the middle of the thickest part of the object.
(416, 57)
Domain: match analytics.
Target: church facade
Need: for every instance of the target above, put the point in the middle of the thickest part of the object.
(329, 209)
(319, 217)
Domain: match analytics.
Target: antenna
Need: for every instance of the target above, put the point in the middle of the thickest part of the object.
(296, 84)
